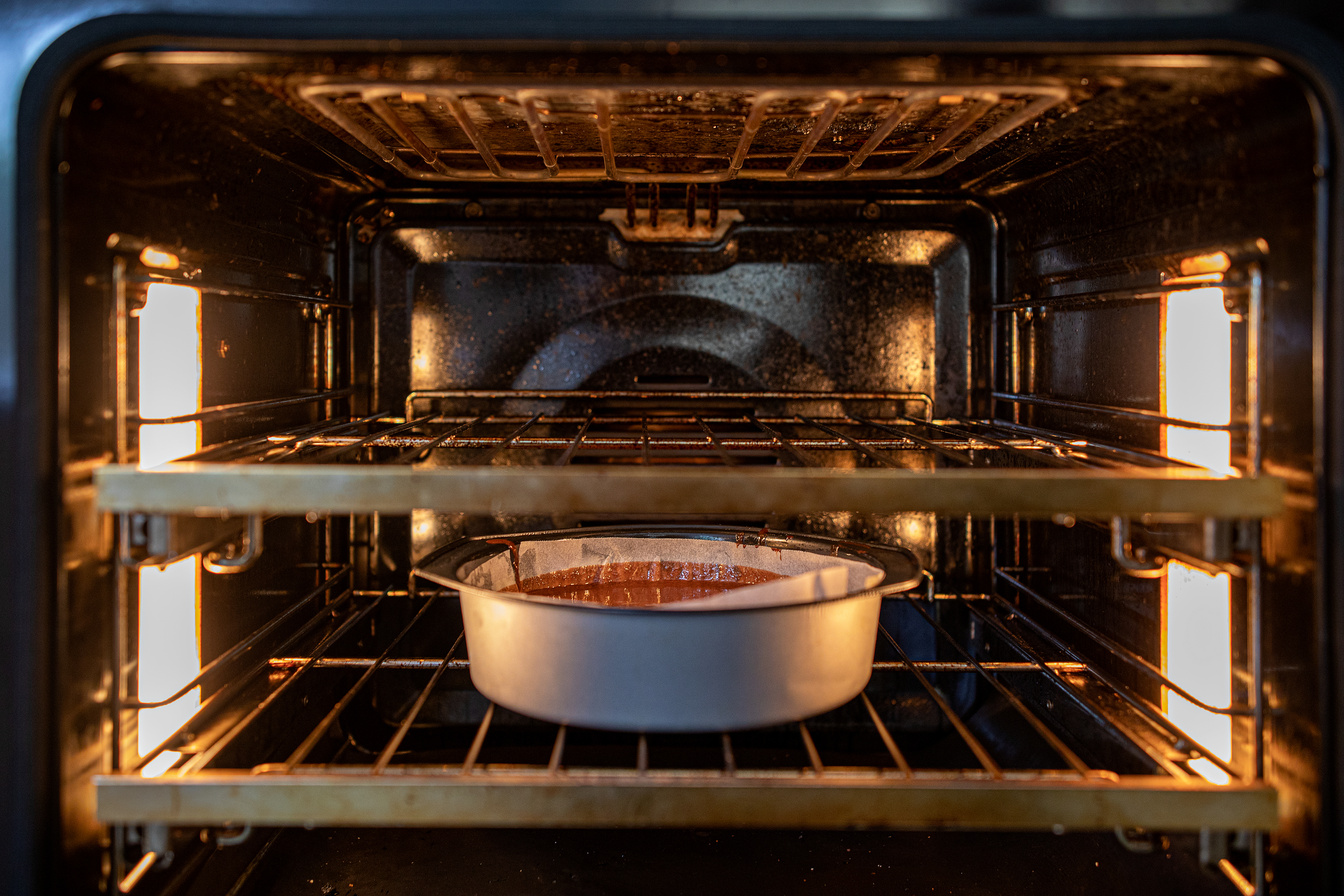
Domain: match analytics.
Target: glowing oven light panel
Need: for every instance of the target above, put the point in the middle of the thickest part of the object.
(1196, 385)
(168, 639)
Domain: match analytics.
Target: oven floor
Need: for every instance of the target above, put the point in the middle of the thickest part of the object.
(362, 862)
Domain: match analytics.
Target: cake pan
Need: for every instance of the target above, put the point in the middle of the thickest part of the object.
(648, 670)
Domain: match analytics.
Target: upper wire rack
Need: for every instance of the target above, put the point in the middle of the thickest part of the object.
(628, 430)
(679, 453)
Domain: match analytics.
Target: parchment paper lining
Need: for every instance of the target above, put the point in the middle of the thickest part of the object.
(809, 576)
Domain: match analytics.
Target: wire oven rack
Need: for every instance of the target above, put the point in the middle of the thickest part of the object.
(675, 134)
(612, 451)
(851, 767)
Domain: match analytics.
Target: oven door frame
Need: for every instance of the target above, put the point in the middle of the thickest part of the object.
(46, 42)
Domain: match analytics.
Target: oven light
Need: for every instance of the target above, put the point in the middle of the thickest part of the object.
(168, 644)
(170, 371)
(169, 654)
(1196, 380)
(170, 350)
(1203, 265)
(1197, 376)
(160, 443)
(157, 258)
(1199, 658)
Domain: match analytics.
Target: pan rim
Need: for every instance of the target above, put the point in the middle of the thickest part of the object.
(900, 568)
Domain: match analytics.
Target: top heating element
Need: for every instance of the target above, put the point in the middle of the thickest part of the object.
(678, 133)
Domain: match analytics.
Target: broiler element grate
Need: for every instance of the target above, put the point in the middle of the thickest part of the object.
(677, 133)
(857, 765)
(562, 451)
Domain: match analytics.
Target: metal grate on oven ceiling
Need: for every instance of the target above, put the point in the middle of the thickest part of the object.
(675, 134)
(858, 765)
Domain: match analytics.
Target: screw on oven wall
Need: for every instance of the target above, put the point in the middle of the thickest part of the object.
(872, 211)
(473, 209)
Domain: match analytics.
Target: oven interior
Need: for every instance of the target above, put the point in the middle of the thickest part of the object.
(1047, 320)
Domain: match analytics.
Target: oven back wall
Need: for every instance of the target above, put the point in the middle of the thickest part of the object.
(809, 293)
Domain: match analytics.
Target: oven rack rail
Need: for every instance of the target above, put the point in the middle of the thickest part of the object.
(323, 780)
(555, 452)
(706, 134)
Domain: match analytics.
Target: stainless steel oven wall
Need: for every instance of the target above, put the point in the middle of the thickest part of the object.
(56, 420)
(261, 223)
(1075, 229)
(508, 290)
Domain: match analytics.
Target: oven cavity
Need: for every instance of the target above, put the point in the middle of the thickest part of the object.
(1003, 315)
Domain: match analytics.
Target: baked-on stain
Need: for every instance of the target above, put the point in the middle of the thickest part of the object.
(643, 583)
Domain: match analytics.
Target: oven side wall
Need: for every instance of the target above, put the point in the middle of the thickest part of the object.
(1083, 228)
(115, 170)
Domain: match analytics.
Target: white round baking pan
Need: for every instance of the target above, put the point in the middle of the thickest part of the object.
(643, 669)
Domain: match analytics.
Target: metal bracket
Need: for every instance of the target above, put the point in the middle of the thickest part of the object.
(1136, 562)
(1214, 848)
(249, 550)
(155, 839)
(130, 530)
(1141, 841)
(155, 853)
(158, 539)
(233, 838)
(674, 226)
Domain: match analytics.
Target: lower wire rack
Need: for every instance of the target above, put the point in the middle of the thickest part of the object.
(320, 733)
